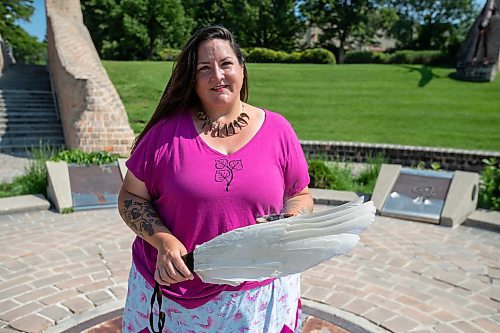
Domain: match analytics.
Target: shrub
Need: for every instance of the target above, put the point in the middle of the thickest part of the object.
(317, 56)
(365, 57)
(260, 54)
(418, 57)
(337, 177)
(245, 52)
(321, 175)
(34, 181)
(294, 57)
(489, 185)
(263, 55)
(342, 178)
(368, 176)
(281, 56)
(169, 54)
(79, 157)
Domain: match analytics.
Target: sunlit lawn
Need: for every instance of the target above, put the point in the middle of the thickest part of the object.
(400, 104)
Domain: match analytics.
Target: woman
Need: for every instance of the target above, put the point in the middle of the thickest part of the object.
(206, 163)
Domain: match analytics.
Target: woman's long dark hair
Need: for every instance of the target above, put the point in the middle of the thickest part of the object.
(179, 92)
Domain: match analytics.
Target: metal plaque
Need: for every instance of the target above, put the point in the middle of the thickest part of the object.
(94, 186)
(418, 195)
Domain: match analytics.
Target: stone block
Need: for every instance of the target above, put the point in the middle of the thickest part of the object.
(78, 304)
(23, 203)
(59, 188)
(33, 323)
(7, 305)
(332, 197)
(56, 313)
(20, 311)
(485, 219)
(385, 181)
(461, 199)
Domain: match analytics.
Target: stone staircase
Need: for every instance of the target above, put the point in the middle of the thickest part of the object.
(28, 116)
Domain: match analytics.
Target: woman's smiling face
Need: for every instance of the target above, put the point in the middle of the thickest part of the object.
(219, 75)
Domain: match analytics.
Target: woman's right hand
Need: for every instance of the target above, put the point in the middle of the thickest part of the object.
(170, 268)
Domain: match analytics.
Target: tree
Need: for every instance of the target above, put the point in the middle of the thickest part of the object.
(26, 48)
(430, 24)
(135, 29)
(267, 23)
(100, 17)
(339, 20)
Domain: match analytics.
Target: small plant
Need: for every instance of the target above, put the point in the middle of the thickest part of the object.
(321, 175)
(68, 210)
(34, 180)
(335, 176)
(368, 177)
(436, 166)
(420, 165)
(80, 157)
(489, 185)
(343, 179)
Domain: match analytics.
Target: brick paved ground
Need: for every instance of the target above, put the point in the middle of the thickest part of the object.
(406, 276)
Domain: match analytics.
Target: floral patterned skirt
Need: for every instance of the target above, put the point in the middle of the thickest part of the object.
(273, 308)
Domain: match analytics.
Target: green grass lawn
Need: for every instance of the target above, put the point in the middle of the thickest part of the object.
(399, 104)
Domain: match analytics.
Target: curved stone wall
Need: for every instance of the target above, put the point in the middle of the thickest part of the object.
(92, 114)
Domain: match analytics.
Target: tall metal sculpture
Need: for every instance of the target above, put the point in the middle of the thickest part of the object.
(479, 57)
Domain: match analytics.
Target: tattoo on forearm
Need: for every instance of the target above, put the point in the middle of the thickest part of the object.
(140, 216)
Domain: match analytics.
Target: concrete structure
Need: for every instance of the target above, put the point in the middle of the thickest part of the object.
(59, 186)
(484, 219)
(460, 201)
(479, 58)
(387, 176)
(332, 197)
(92, 114)
(23, 203)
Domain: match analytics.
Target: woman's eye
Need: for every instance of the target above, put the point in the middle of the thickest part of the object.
(203, 68)
(226, 64)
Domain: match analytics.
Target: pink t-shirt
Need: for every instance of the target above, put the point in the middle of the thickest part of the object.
(200, 193)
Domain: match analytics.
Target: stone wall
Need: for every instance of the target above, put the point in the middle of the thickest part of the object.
(92, 114)
(449, 158)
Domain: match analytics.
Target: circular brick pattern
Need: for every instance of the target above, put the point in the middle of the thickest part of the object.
(404, 276)
(310, 325)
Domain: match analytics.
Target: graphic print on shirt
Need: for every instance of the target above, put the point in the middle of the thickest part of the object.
(225, 170)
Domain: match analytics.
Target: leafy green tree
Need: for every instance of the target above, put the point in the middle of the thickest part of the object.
(101, 18)
(430, 24)
(136, 29)
(341, 21)
(26, 48)
(266, 23)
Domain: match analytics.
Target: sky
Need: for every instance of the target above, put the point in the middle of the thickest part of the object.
(37, 24)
